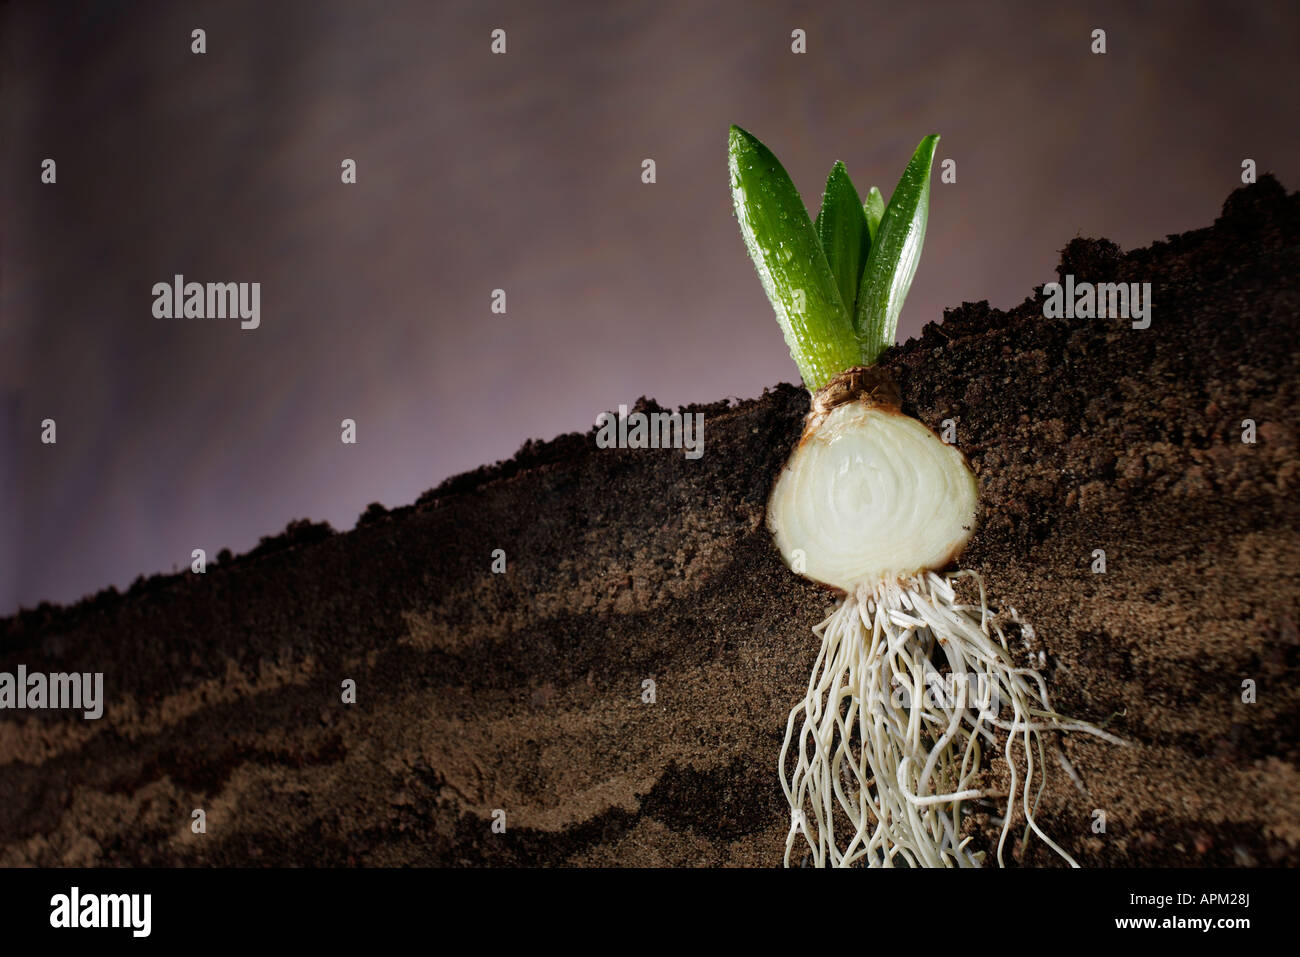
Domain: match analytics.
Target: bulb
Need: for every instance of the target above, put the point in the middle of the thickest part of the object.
(871, 494)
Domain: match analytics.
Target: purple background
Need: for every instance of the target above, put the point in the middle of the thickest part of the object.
(521, 172)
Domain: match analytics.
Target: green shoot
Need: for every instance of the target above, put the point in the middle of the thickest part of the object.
(874, 208)
(895, 253)
(837, 285)
(791, 263)
(842, 229)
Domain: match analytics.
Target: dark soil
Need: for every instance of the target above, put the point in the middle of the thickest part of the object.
(523, 691)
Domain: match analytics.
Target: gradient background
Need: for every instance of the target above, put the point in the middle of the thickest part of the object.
(521, 172)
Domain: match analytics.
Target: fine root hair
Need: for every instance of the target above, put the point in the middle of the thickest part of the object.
(882, 756)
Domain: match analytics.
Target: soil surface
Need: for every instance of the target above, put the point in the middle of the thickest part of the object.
(522, 692)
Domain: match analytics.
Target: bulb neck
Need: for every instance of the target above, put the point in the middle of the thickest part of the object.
(870, 385)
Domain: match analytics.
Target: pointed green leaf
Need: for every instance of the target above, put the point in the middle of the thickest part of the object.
(874, 208)
(793, 268)
(842, 228)
(894, 255)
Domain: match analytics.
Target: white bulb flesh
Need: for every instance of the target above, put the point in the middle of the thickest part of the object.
(871, 495)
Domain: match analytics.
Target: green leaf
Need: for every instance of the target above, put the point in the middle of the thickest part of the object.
(842, 228)
(894, 255)
(790, 261)
(874, 207)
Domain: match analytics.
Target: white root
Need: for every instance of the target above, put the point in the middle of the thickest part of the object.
(888, 747)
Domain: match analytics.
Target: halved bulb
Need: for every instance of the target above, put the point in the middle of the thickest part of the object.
(871, 494)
